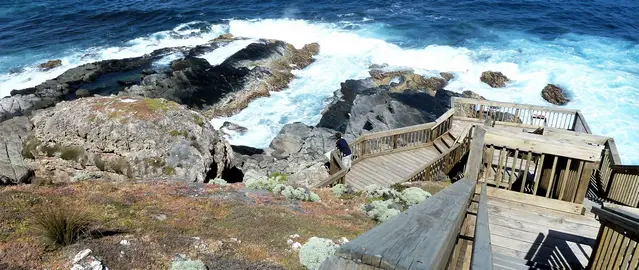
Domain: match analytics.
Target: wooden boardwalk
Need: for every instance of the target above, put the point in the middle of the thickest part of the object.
(386, 170)
(526, 235)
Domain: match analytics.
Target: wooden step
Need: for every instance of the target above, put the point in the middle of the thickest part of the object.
(448, 141)
(452, 136)
(440, 145)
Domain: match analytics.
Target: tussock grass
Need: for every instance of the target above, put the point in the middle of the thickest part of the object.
(60, 227)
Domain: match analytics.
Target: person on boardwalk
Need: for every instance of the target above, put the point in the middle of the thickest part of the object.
(342, 145)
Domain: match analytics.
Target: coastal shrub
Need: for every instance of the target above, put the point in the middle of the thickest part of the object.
(315, 251)
(60, 227)
(381, 210)
(399, 187)
(339, 190)
(283, 176)
(29, 147)
(266, 183)
(414, 195)
(295, 194)
(169, 171)
(188, 265)
(219, 182)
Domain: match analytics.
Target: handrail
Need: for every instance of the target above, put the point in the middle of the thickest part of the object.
(391, 141)
(614, 246)
(482, 256)
(525, 114)
(617, 182)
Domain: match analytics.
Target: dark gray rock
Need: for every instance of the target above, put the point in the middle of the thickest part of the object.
(51, 64)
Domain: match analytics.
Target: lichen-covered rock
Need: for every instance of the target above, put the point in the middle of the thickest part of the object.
(315, 251)
(554, 95)
(138, 138)
(14, 169)
(494, 78)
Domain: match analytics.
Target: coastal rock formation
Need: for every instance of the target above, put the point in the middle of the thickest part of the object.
(447, 76)
(225, 89)
(13, 168)
(252, 72)
(234, 127)
(51, 64)
(404, 79)
(494, 78)
(363, 106)
(137, 138)
(297, 150)
(554, 95)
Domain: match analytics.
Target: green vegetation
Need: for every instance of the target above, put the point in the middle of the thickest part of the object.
(296, 194)
(50, 150)
(398, 186)
(188, 265)
(198, 120)
(315, 251)
(384, 203)
(176, 133)
(266, 183)
(157, 104)
(280, 175)
(29, 147)
(59, 227)
(219, 182)
(169, 171)
(339, 190)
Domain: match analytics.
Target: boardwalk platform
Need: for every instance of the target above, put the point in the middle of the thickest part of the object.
(525, 235)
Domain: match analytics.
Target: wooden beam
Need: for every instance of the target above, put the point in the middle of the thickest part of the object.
(552, 177)
(564, 181)
(535, 200)
(540, 166)
(482, 257)
(584, 182)
(472, 101)
(475, 154)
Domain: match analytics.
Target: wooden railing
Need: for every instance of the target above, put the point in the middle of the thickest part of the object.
(386, 142)
(444, 163)
(616, 244)
(617, 183)
(540, 174)
(520, 114)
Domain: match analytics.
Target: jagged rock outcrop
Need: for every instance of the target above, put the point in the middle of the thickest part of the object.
(13, 168)
(494, 78)
(137, 138)
(401, 80)
(227, 88)
(51, 64)
(230, 126)
(361, 106)
(447, 76)
(221, 90)
(554, 95)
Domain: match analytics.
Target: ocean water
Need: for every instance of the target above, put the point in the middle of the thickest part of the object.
(589, 48)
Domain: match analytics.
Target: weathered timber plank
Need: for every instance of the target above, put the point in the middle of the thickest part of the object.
(475, 154)
(544, 212)
(422, 237)
(482, 257)
(551, 248)
(555, 224)
(536, 200)
(539, 264)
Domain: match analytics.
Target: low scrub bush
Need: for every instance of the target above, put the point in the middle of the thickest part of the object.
(266, 183)
(315, 251)
(188, 265)
(219, 182)
(60, 227)
(381, 210)
(339, 190)
(296, 194)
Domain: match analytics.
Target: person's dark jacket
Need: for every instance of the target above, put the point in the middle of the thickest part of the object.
(342, 145)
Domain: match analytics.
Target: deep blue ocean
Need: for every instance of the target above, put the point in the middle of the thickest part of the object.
(588, 47)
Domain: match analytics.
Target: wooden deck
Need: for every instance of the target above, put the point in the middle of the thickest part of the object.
(525, 235)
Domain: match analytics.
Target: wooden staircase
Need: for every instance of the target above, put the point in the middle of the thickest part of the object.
(444, 143)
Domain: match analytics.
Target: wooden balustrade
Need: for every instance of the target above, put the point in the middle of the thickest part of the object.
(617, 183)
(520, 114)
(391, 141)
(616, 245)
(539, 174)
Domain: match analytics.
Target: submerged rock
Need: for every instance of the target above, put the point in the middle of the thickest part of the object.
(51, 64)
(554, 95)
(234, 127)
(494, 78)
(137, 138)
(447, 76)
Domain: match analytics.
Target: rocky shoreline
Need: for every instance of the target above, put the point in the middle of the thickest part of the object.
(132, 119)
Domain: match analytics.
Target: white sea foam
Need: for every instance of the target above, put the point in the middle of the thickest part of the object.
(600, 74)
(182, 35)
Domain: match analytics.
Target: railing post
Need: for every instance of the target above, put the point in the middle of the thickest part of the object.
(395, 141)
